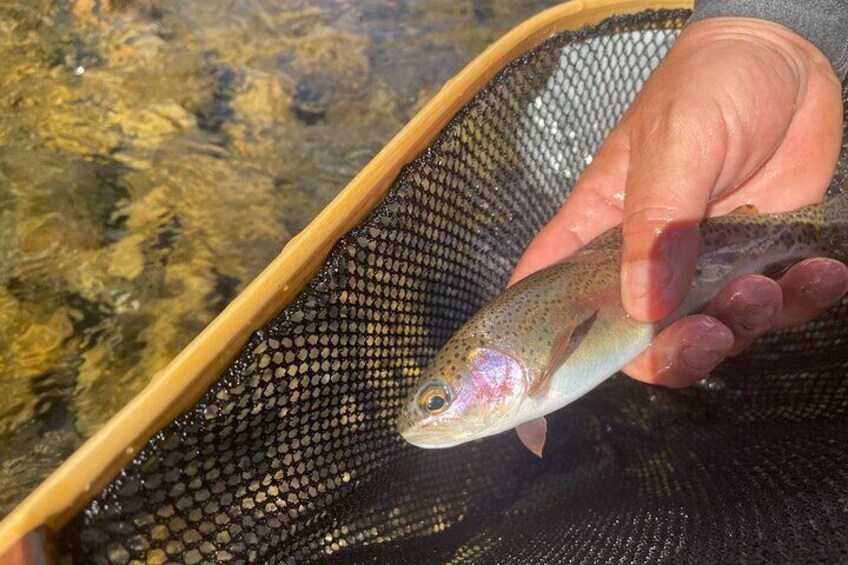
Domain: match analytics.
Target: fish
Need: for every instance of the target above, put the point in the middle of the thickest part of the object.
(557, 334)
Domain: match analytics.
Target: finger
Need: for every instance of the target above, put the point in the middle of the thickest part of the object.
(683, 353)
(593, 207)
(810, 288)
(749, 306)
(665, 199)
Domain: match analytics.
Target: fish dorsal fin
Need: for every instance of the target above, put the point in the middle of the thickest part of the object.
(745, 210)
(564, 345)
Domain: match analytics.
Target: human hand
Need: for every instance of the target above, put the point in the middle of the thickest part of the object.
(741, 111)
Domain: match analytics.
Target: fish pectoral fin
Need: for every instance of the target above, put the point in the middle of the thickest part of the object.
(745, 210)
(564, 345)
(532, 434)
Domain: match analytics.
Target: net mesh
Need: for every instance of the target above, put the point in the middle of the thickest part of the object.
(292, 456)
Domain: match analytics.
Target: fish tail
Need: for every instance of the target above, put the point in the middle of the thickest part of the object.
(835, 225)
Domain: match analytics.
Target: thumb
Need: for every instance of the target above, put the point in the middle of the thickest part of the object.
(674, 166)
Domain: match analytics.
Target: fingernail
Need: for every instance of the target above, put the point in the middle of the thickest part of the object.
(754, 305)
(646, 277)
(656, 283)
(755, 317)
(708, 349)
(829, 283)
(701, 360)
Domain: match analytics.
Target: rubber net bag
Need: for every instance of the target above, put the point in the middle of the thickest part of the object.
(292, 456)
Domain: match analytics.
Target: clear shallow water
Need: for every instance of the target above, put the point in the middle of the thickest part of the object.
(157, 155)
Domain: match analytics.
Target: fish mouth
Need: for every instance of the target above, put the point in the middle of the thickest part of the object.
(432, 437)
(427, 439)
(425, 436)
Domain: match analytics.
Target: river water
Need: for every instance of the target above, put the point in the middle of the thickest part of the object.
(157, 155)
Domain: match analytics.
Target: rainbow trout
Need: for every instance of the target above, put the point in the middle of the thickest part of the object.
(557, 334)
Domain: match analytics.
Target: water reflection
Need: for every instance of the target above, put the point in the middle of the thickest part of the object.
(157, 155)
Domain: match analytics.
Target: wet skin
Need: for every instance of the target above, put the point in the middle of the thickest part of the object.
(741, 112)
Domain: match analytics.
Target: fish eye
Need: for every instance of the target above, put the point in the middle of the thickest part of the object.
(434, 398)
